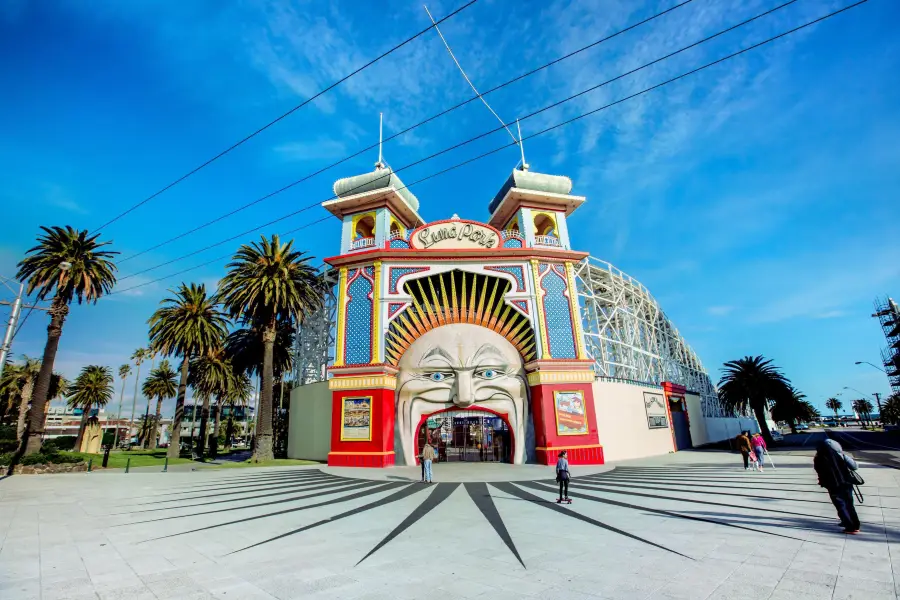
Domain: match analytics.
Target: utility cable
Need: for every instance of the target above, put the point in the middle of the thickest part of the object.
(596, 110)
(404, 131)
(273, 122)
(470, 140)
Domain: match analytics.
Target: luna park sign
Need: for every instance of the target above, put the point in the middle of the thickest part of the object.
(455, 234)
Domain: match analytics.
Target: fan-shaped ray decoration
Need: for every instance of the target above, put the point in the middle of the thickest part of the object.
(458, 297)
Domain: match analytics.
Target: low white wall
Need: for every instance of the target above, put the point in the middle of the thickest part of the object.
(727, 428)
(309, 430)
(622, 422)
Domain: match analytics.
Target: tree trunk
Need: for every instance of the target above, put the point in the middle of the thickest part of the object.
(137, 379)
(264, 450)
(145, 443)
(759, 409)
(154, 436)
(229, 428)
(214, 445)
(27, 390)
(36, 417)
(119, 416)
(204, 421)
(793, 425)
(85, 415)
(175, 438)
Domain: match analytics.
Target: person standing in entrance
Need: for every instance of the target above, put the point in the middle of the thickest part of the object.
(562, 476)
(833, 468)
(759, 449)
(742, 441)
(427, 459)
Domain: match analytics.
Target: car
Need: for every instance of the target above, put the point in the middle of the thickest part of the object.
(776, 435)
(802, 427)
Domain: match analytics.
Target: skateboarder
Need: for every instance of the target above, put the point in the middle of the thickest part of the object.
(562, 476)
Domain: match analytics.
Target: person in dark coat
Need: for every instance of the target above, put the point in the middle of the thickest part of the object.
(742, 441)
(833, 468)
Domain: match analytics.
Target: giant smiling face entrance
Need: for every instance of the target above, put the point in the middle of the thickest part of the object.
(459, 366)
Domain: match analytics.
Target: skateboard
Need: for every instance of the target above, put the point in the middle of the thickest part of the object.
(566, 500)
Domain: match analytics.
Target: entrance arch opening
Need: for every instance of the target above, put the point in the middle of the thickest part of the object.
(467, 435)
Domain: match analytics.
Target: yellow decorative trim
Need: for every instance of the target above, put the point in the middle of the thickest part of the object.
(570, 447)
(341, 318)
(361, 453)
(376, 317)
(542, 377)
(387, 382)
(576, 318)
(343, 406)
(539, 309)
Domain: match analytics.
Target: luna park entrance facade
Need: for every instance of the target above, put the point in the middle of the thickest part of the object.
(467, 436)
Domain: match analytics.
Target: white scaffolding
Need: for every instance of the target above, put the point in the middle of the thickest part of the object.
(629, 337)
(314, 342)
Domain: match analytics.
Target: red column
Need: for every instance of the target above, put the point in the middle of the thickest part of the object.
(550, 425)
(378, 450)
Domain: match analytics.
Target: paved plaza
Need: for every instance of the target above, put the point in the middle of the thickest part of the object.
(690, 525)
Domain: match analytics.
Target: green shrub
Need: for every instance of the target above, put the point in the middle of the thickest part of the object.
(43, 458)
(8, 442)
(63, 442)
(6, 458)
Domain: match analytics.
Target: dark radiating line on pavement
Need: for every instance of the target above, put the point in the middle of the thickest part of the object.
(348, 484)
(384, 487)
(668, 488)
(228, 485)
(601, 488)
(409, 490)
(440, 493)
(481, 496)
(737, 481)
(509, 488)
(656, 510)
(229, 491)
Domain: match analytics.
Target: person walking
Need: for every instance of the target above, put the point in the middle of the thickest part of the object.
(428, 458)
(833, 468)
(759, 449)
(742, 441)
(562, 476)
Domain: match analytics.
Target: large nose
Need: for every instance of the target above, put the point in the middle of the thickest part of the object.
(464, 394)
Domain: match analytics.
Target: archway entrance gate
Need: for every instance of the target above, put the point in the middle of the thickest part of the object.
(466, 436)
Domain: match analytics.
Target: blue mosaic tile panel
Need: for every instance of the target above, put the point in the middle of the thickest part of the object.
(358, 332)
(397, 272)
(513, 243)
(557, 313)
(516, 272)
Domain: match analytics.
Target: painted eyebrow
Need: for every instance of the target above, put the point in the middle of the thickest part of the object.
(438, 352)
(488, 349)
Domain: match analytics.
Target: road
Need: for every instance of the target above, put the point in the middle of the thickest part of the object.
(871, 446)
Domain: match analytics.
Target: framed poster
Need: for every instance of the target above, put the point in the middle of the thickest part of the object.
(657, 415)
(356, 419)
(570, 416)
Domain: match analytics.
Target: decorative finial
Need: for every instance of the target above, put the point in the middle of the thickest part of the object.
(455, 217)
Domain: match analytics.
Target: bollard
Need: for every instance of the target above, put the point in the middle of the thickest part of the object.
(90, 464)
(166, 465)
(106, 456)
(127, 464)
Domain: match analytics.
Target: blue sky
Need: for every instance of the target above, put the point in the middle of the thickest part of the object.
(757, 200)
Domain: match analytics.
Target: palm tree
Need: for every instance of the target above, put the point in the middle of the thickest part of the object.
(269, 283)
(789, 405)
(93, 386)
(863, 408)
(833, 404)
(239, 393)
(891, 410)
(18, 382)
(187, 325)
(124, 372)
(245, 348)
(749, 384)
(138, 356)
(160, 385)
(68, 264)
(211, 374)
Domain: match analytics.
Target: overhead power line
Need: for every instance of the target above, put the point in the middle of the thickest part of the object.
(404, 131)
(468, 141)
(579, 117)
(283, 116)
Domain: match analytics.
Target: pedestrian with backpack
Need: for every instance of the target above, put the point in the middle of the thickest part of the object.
(837, 474)
(562, 476)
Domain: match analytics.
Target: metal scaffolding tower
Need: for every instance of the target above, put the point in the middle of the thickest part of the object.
(888, 314)
(314, 342)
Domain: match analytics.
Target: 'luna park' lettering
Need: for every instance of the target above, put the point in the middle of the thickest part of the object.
(429, 236)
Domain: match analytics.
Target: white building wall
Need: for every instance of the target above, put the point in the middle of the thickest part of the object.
(309, 430)
(622, 422)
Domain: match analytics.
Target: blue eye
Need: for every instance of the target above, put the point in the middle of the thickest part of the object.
(489, 373)
(437, 376)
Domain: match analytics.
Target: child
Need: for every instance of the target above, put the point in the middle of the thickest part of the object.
(562, 476)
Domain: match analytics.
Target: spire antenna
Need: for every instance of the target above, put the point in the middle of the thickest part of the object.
(466, 77)
(380, 163)
(521, 146)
